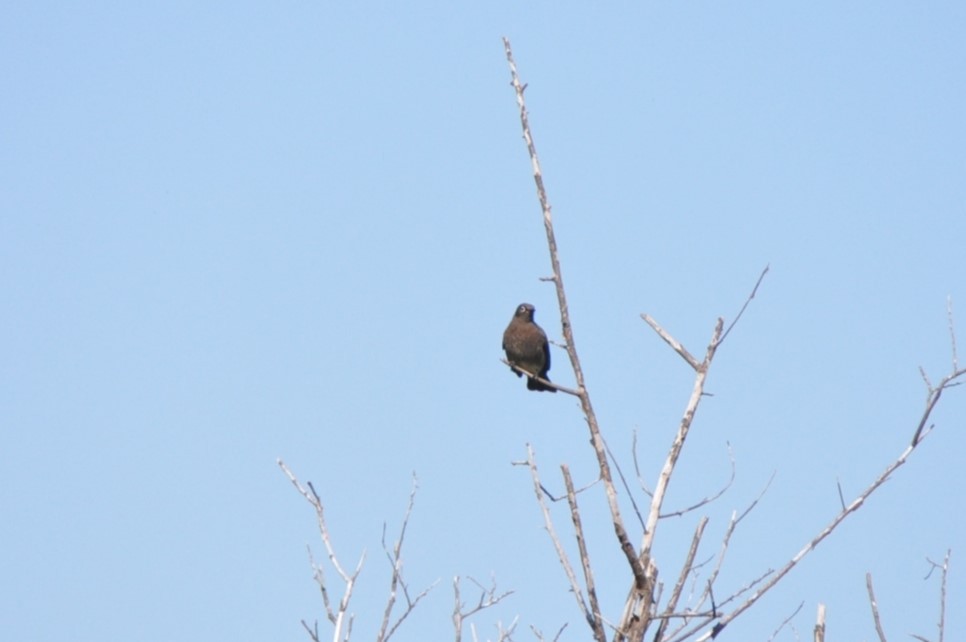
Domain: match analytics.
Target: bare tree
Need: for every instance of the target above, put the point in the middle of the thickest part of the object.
(707, 616)
(671, 617)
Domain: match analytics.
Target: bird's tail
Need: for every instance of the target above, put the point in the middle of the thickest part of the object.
(533, 384)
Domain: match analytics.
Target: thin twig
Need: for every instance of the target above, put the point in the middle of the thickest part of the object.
(838, 484)
(637, 470)
(785, 622)
(537, 633)
(952, 331)
(710, 498)
(488, 598)
(627, 488)
(751, 296)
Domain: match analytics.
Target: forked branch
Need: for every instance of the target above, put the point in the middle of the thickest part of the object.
(397, 582)
(488, 598)
(340, 617)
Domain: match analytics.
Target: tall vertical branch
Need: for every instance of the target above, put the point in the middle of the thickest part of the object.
(637, 567)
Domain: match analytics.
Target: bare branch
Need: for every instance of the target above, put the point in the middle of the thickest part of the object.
(395, 562)
(838, 484)
(947, 381)
(665, 477)
(637, 469)
(875, 608)
(933, 394)
(539, 634)
(785, 621)
(952, 331)
(627, 488)
(548, 525)
(711, 498)
(686, 569)
(820, 624)
(751, 296)
(342, 625)
(942, 598)
(546, 382)
(488, 598)
(637, 566)
(313, 631)
(595, 621)
(932, 398)
(671, 341)
(944, 567)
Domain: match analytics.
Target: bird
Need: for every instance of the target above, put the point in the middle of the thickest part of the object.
(526, 347)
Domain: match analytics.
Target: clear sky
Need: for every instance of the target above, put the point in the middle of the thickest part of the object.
(237, 231)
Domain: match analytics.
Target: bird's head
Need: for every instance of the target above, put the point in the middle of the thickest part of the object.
(524, 311)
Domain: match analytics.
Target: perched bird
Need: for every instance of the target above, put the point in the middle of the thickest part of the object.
(526, 347)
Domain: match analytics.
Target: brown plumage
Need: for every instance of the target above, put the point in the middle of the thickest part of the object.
(526, 347)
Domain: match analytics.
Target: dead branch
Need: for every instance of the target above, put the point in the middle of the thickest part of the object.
(933, 396)
(820, 624)
(595, 620)
(546, 382)
(665, 477)
(558, 546)
(754, 291)
(875, 608)
(641, 580)
(706, 594)
(539, 634)
(952, 331)
(671, 341)
(342, 625)
(627, 488)
(686, 570)
(785, 622)
(706, 500)
(395, 562)
(488, 598)
(944, 567)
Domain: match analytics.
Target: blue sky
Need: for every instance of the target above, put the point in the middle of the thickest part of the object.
(234, 232)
